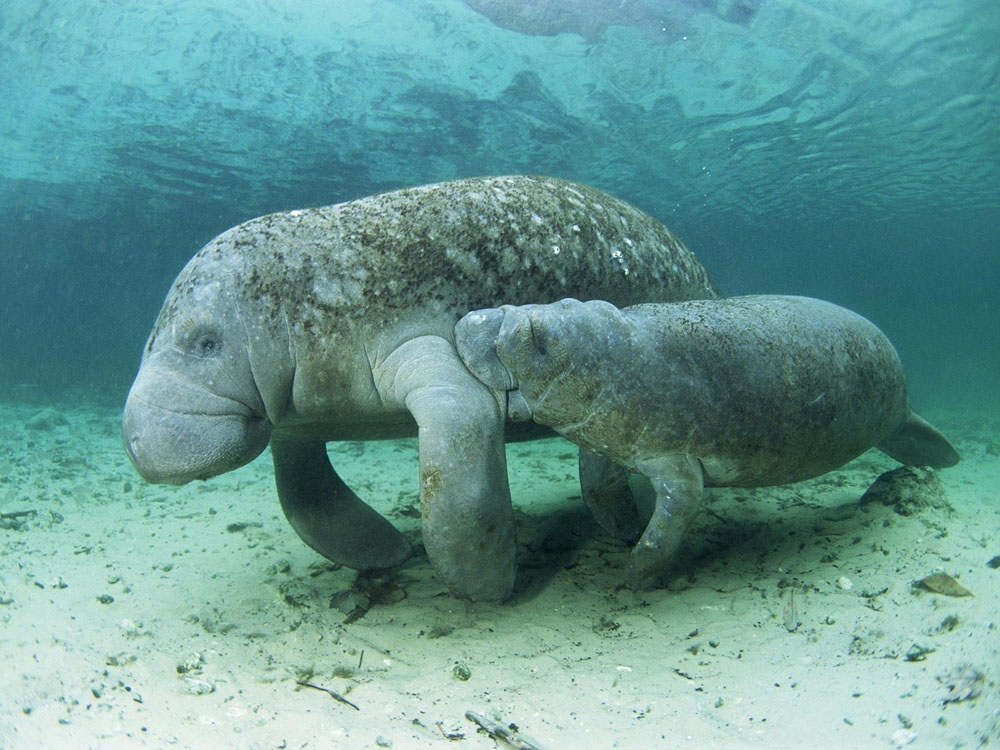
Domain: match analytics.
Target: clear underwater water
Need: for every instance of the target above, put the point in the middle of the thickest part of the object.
(844, 149)
(838, 148)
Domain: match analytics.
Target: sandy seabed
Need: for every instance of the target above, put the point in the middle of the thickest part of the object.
(143, 616)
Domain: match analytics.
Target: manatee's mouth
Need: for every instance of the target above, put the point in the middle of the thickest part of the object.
(227, 408)
(169, 446)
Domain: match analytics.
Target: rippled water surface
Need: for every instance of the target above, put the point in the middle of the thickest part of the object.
(844, 149)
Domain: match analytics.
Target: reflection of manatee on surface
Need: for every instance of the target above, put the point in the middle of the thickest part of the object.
(660, 21)
(746, 391)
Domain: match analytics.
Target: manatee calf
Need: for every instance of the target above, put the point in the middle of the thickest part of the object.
(746, 391)
(337, 323)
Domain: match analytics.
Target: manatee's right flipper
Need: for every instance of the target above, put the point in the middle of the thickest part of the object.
(917, 443)
(468, 520)
(679, 482)
(328, 516)
(605, 489)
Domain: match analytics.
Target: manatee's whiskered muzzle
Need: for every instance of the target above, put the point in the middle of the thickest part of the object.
(167, 446)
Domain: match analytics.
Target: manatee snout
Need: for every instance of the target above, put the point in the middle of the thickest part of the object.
(476, 340)
(511, 348)
(538, 343)
(499, 345)
(528, 346)
(173, 444)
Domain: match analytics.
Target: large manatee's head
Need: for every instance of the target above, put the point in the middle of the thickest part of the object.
(194, 410)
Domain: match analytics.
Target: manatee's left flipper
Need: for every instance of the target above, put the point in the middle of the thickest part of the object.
(328, 516)
(605, 489)
(679, 482)
(468, 521)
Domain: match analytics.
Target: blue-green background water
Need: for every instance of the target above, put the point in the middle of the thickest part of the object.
(845, 149)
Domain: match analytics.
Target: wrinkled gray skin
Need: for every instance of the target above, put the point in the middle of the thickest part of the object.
(746, 391)
(337, 323)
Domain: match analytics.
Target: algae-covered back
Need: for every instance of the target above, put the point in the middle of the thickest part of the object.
(494, 239)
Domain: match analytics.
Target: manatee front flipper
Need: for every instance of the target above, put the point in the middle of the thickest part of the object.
(605, 489)
(468, 521)
(917, 443)
(328, 516)
(678, 481)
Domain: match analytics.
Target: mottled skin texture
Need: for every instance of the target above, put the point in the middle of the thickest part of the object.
(337, 323)
(746, 391)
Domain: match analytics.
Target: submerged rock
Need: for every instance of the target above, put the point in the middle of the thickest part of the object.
(47, 420)
(907, 490)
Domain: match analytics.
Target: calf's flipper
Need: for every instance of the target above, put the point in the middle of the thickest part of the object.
(678, 481)
(606, 491)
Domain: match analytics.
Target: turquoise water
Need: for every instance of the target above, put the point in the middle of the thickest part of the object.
(845, 150)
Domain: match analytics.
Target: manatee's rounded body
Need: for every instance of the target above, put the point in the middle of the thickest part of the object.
(337, 323)
(762, 390)
(745, 391)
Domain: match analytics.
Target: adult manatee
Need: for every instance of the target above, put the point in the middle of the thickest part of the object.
(337, 323)
(745, 392)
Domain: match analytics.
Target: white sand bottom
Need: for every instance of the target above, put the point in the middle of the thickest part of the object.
(145, 616)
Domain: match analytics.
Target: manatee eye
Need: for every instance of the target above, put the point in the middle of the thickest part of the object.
(207, 346)
(201, 340)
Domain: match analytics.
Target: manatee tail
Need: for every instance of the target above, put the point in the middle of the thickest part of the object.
(917, 443)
